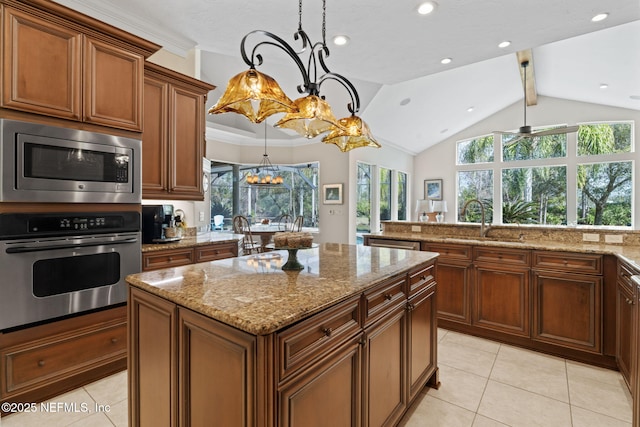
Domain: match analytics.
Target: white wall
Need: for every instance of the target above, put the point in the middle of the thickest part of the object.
(439, 160)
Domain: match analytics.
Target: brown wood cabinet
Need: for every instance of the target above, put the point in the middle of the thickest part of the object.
(567, 300)
(46, 360)
(173, 138)
(635, 357)
(626, 301)
(166, 258)
(60, 63)
(501, 290)
(355, 363)
(455, 276)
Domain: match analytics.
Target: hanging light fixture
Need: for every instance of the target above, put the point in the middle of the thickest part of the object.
(266, 173)
(257, 96)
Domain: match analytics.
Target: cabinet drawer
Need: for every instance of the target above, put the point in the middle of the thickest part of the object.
(625, 271)
(218, 251)
(383, 298)
(164, 259)
(313, 338)
(53, 358)
(568, 261)
(421, 278)
(502, 256)
(449, 252)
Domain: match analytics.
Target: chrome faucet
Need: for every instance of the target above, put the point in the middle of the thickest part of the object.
(483, 230)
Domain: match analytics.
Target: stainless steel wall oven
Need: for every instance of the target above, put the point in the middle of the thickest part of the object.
(56, 264)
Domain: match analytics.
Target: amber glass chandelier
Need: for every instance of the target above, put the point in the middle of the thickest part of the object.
(266, 173)
(257, 96)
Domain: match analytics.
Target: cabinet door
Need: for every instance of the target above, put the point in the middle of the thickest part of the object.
(153, 379)
(454, 290)
(624, 330)
(502, 299)
(567, 310)
(42, 66)
(422, 340)
(326, 394)
(384, 385)
(113, 85)
(155, 161)
(186, 144)
(217, 373)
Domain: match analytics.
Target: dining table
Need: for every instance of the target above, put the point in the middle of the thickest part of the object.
(265, 232)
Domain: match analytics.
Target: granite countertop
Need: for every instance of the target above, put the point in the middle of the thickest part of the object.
(192, 241)
(630, 253)
(254, 294)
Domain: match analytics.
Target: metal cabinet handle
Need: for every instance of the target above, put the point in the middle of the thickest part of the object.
(388, 296)
(114, 340)
(327, 331)
(41, 363)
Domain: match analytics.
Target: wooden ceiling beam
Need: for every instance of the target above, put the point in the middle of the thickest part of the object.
(530, 84)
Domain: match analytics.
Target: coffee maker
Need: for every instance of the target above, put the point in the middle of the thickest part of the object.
(155, 218)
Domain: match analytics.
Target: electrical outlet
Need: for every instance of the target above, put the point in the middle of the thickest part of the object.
(201, 216)
(332, 212)
(416, 228)
(590, 237)
(613, 238)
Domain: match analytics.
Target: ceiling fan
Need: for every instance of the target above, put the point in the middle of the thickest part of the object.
(525, 130)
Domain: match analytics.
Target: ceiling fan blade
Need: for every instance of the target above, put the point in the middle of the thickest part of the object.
(515, 140)
(556, 131)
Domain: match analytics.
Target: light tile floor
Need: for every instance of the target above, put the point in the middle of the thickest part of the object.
(484, 384)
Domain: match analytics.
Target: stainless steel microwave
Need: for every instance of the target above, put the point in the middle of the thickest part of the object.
(41, 163)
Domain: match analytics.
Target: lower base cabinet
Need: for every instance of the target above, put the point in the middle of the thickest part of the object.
(47, 360)
(358, 363)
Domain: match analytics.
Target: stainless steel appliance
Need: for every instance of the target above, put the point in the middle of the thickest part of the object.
(58, 264)
(40, 163)
(155, 218)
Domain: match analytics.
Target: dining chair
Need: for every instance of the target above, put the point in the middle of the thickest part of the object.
(241, 226)
(284, 222)
(218, 221)
(297, 224)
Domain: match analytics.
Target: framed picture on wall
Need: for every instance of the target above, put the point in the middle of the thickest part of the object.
(332, 194)
(433, 189)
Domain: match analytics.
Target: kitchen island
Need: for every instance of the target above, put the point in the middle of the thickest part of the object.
(349, 340)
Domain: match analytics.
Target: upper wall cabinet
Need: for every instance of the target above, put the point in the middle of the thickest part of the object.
(60, 63)
(173, 138)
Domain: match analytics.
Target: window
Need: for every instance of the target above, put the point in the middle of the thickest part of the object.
(401, 194)
(604, 193)
(535, 195)
(537, 174)
(363, 196)
(476, 185)
(478, 150)
(298, 195)
(385, 194)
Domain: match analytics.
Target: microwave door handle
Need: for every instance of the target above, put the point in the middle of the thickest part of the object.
(46, 247)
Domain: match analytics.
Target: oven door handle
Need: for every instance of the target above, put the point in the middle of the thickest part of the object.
(40, 247)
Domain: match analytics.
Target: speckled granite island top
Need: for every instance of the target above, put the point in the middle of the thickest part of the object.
(254, 294)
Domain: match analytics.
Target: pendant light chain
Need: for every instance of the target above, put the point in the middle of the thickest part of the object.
(299, 15)
(324, 24)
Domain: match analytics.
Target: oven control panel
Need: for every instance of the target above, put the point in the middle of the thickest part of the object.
(23, 225)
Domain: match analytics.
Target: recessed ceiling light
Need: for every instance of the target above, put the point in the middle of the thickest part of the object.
(504, 44)
(470, 109)
(603, 85)
(340, 40)
(599, 17)
(405, 101)
(445, 61)
(426, 7)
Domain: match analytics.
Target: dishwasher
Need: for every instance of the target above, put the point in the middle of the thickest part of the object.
(395, 244)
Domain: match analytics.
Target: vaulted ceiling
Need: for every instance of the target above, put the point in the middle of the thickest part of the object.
(409, 99)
